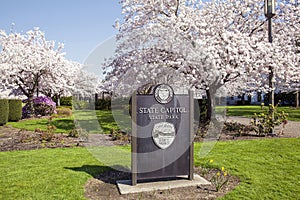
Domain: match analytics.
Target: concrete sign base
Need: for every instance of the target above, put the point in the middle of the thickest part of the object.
(125, 186)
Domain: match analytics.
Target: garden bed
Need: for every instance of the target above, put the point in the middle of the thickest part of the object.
(17, 139)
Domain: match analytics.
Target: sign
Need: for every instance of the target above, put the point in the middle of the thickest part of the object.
(162, 134)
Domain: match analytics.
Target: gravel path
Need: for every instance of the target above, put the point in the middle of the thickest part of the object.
(292, 129)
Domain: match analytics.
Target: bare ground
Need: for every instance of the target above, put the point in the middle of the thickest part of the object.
(16, 139)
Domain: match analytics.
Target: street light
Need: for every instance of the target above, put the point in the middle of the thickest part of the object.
(269, 13)
(269, 8)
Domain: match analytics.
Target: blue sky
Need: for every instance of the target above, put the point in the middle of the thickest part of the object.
(80, 24)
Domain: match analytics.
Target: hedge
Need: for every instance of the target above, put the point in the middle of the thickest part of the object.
(63, 101)
(4, 109)
(15, 110)
(66, 101)
(81, 105)
(103, 104)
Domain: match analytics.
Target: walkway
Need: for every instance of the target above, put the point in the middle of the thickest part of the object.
(95, 140)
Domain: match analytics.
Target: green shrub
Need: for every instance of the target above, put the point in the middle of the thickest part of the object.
(264, 123)
(81, 105)
(64, 112)
(61, 107)
(66, 101)
(74, 133)
(4, 109)
(119, 135)
(15, 110)
(103, 104)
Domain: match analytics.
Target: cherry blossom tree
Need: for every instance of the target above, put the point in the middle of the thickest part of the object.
(74, 80)
(288, 33)
(281, 55)
(213, 45)
(31, 65)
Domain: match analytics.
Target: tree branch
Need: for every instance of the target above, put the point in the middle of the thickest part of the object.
(256, 28)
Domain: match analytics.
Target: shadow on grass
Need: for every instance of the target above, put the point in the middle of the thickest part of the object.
(104, 173)
(106, 121)
(93, 170)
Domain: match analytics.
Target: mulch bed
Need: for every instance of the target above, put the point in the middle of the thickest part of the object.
(16, 139)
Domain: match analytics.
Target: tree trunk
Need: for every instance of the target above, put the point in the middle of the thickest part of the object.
(214, 127)
(30, 108)
(210, 105)
(37, 89)
(58, 101)
(297, 99)
(249, 99)
(243, 99)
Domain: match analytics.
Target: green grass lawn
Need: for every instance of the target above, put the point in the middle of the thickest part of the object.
(46, 174)
(99, 121)
(268, 169)
(63, 125)
(248, 111)
(106, 120)
(95, 121)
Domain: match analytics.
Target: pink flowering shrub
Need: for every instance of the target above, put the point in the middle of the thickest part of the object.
(42, 106)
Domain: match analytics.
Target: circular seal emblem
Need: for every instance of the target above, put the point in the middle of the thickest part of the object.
(163, 93)
(163, 134)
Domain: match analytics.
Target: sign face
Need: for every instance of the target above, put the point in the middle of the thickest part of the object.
(163, 134)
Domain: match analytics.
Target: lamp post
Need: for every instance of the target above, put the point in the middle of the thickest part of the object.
(269, 13)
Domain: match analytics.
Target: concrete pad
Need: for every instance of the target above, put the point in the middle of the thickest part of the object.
(125, 186)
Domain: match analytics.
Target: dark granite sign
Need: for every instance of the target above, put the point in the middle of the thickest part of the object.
(162, 134)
